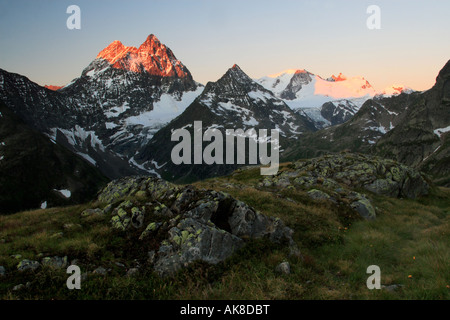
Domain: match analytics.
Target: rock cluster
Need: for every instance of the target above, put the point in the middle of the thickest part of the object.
(335, 177)
(193, 224)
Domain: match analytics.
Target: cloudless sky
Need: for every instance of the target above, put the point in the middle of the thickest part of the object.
(263, 37)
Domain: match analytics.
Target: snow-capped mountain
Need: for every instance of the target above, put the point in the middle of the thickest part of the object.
(303, 90)
(234, 101)
(243, 103)
(395, 90)
(132, 92)
(114, 108)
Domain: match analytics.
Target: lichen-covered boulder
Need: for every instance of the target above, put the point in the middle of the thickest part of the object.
(189, 224)
(55, 262)
(138, 186)
(335, 177)
(192, 240)
(375, 174)
(28, 265)
(364, 208)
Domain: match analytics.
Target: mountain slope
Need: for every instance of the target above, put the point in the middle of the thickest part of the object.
(376, 117)
(421, 139)
(35, 171)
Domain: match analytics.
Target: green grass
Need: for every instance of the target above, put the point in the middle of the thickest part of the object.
(409, 240)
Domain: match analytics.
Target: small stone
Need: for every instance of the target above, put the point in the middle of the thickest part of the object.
(74, 262)
(364, 208)
(294, 252)
(26, 265)
(2, 271)
(57, 235)
(90, 212)
(283, 268)
(55, 262)
(72, 226)
(132, 272)
(392, 287)
(151, 257)
(18, 287)
(100, 271)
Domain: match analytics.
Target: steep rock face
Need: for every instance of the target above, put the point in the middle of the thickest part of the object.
(338, 112)
(421, 139)
(298, 80)
(35, 172)
(151, 57)
(233, 102)
(188, 224)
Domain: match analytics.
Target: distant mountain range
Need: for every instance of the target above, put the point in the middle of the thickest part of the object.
(233, 102)
(118, 115)
(411, 128)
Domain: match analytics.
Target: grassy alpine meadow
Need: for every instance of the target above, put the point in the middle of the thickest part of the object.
(409, 241)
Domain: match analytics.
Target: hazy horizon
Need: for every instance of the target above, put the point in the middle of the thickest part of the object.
(262, 37)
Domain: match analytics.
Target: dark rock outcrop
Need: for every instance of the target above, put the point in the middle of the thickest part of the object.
(334, 177)
(191, 224)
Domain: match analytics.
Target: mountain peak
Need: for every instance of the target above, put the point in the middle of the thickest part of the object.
(151, 45)
(235, 72)
(339, 77)
(52, 87)
(114, 51)
(151, 57)
(395, 90)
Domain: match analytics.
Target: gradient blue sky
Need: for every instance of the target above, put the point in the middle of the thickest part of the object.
(262, 37)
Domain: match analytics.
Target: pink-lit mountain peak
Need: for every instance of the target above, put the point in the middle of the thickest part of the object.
(339, 77)
(152, 57)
